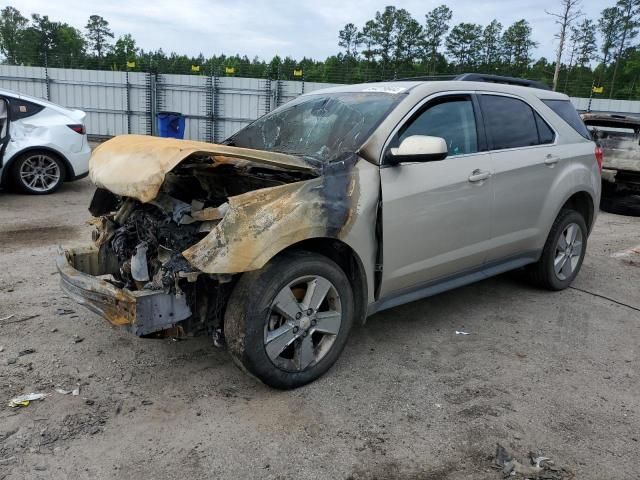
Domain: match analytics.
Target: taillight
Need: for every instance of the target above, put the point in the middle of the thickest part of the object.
(78, 128)
(599, 157)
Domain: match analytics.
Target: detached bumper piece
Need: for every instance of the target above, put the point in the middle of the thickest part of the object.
(140, 312)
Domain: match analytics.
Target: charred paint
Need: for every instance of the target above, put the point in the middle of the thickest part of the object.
(135, 166)
(249, 227)
(619, 137)
(262, 223)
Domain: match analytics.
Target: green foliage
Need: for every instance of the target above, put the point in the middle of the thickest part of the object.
(464, 45)
(517, 45)
(436, 27)
(98, 35)
(608, 24)
(392, 44)
(492, 46)
(348, 39)
(12, 26)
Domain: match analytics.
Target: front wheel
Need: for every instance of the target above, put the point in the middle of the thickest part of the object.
(287, 323)
(563, 252)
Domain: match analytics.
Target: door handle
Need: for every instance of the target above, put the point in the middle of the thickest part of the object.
(478, 175)
(551, 160)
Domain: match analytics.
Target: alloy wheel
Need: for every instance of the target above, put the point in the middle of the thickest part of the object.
(40, 173)
(568, 251)
(303, 322)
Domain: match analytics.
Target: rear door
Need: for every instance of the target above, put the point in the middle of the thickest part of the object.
(525, 164)
(436, 215)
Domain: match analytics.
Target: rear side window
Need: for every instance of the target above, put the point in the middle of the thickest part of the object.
(545, 133)
(23, 109)
(565, 110)
(510, 122)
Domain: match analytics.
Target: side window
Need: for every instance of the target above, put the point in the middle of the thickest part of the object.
(545, 134)
(23, 109)
(510, 122)
(451, 118)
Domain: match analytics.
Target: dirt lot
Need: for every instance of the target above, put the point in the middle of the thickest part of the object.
(554, 373)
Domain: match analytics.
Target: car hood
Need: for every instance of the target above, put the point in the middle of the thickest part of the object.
(135, 165)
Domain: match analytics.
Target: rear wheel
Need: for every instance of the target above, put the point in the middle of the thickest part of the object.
(287, 323)
(563, 252)
(38, 173)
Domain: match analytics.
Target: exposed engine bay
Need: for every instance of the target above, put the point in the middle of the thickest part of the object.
(145, 241)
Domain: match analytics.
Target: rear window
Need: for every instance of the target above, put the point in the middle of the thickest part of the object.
(568, 113)
(23, 109)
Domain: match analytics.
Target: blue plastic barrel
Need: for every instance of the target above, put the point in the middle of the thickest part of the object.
(171, 124)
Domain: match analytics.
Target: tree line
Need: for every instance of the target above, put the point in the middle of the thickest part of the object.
(601, 52)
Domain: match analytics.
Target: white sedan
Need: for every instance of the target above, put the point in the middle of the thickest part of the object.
(42, 144)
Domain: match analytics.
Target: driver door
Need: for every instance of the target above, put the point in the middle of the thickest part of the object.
(436, 215)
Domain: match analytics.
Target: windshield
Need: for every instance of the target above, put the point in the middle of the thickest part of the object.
(323, 127)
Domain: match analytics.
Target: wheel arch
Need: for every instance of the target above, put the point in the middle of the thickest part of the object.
(583, 203)
(8, 165)
(347, 259)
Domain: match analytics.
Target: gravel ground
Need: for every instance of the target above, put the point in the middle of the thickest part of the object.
(555, 373)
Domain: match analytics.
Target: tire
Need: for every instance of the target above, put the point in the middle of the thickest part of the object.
(37, 173)
(543, 273)
(621, 204)
(255, 329)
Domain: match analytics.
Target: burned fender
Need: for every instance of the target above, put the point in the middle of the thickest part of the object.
(262, 223)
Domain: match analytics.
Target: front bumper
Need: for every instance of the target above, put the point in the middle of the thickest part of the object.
(141, 312)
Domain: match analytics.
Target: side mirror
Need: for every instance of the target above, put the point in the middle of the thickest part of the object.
(418, 148)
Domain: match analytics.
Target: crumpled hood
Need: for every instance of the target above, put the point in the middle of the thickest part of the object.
(135, 165)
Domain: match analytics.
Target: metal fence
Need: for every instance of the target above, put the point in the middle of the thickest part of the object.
(215, 107)
(127, 102)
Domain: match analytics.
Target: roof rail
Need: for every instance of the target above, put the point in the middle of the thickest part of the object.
(481, 77)
(476, 77)
(424, 78)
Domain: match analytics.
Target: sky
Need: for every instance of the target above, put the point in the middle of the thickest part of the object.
(295, 28)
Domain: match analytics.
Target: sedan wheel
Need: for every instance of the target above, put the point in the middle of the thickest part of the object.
(38, 173)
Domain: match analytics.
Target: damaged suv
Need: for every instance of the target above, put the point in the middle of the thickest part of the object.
(619, 138)
(339, 204)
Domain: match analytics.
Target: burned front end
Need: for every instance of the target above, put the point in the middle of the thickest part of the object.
(176, 221)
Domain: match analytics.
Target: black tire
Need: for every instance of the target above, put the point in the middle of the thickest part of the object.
(248, 312)
(542, 273)
(621, 204)
(19, 183)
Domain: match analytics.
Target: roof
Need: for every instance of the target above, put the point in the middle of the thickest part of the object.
(398, 87)
(37, 101)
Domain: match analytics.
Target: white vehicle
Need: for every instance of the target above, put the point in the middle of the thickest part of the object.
(42, 144)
